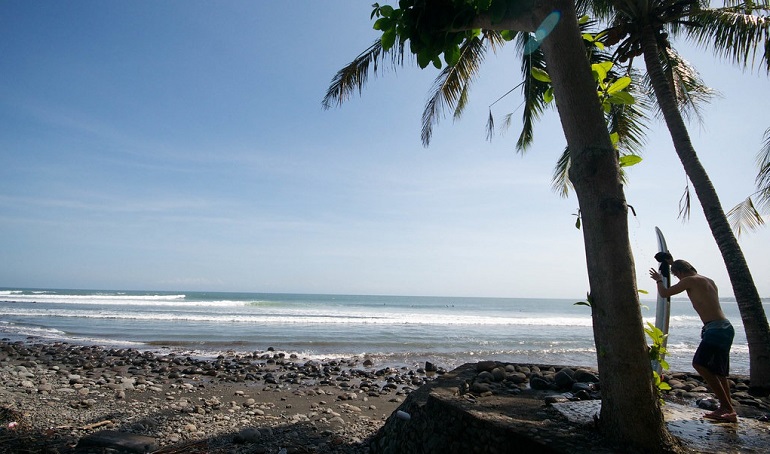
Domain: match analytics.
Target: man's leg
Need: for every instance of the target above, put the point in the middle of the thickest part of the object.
(719, 386)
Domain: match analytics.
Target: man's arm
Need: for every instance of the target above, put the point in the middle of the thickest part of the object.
(679, 287)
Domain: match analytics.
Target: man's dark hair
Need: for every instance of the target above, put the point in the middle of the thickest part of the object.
(663, 257)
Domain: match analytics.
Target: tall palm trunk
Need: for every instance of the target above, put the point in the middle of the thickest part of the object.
(630, 408)
(746, 295)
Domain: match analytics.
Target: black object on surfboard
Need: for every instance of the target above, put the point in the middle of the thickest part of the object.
(663, 307)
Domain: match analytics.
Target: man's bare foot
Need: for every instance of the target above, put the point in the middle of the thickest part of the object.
(722, 416)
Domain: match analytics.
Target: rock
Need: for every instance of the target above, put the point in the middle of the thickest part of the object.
(707, 403)
(555, 399)
(485, 366)
(585, 376)
(577, 387)
(563, 378)
(480, 388)
(675, 384)
(583, 395)
(539, 383)
(485, 377)
(248, 435)
(517, 377)
(120, 441)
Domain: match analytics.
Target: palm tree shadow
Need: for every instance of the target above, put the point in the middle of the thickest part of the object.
(138, 435)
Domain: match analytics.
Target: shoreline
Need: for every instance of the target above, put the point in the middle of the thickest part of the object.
(71, 395)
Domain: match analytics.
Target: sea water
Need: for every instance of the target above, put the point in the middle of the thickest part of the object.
(390, 330)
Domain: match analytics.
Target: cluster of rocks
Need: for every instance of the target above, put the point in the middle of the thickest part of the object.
(567, 383)
(488, 407)
(90, 396)
(686, 386)
(493, 377)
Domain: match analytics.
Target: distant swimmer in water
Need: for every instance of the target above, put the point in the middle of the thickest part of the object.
(712, 359)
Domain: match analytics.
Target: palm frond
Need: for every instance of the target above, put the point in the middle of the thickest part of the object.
(740, 33)
(600, 9)
(744, 216)
(450, 88)
(763, 176)
(560, 179)
(354, 76)
(533, 91)
(490, 126)
(687, 85)
(684, 204)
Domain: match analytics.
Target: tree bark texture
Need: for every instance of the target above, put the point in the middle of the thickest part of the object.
(746, 294)
(630, 407)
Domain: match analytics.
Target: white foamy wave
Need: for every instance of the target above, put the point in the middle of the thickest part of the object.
(20, 330)
(115, 299)
(300, 318)
(678, 321)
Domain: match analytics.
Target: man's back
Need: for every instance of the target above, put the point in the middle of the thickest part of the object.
(704, 295)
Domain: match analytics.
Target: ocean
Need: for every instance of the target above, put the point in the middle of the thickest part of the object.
(391, 330)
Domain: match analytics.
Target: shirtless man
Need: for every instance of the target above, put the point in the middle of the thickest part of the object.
(712, 359)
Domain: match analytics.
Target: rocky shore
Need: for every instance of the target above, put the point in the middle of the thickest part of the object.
(64, 398)
(61, 394)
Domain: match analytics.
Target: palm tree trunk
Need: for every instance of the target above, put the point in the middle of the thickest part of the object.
(630, 407)
(749, 303)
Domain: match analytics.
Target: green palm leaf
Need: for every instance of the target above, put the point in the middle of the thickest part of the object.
(451, 86)
(560, 179)
(736, 32)
(763, 177)
(354, 76)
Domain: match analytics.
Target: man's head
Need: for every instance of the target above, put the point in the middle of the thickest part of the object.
(664, 257)
(680, 267)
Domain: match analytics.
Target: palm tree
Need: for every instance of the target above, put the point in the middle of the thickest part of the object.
(630, 408)
(641, 27)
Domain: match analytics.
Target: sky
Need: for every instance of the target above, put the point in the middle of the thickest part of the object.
(182, 145)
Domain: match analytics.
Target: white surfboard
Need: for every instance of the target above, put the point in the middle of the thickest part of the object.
(663, 307)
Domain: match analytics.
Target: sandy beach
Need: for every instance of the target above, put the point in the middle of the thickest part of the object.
(64, 398)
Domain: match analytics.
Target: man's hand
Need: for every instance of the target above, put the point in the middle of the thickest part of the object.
(655, 275)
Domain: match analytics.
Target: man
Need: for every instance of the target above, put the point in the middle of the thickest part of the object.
(712, 359)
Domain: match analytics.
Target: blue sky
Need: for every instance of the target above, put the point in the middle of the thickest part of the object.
(181, 145)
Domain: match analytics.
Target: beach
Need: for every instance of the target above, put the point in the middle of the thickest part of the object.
(262, 403)
(168, 372)
(59, 397)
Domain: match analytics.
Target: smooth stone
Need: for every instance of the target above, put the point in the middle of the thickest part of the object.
(119, 440)
(585, 376)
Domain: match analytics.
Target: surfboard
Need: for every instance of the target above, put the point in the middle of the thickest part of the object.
(663, 307)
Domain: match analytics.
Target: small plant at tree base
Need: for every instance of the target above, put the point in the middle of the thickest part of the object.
(657, 353)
